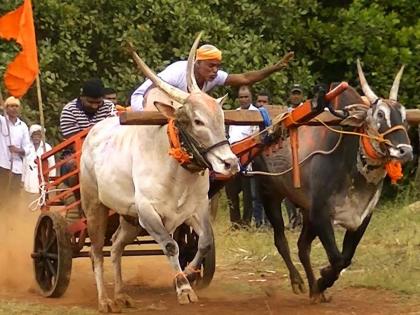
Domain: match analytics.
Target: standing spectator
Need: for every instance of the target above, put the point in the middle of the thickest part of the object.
(14, 144)
(111, 95)
(86, 110)
(263, 99)
(295, 96)
(30, 167)
(240, 182)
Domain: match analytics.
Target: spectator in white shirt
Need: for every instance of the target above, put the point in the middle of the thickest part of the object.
(207, 74)
(240, 182)
(30, 169)
(14, 143)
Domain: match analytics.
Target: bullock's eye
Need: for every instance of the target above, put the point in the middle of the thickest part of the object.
(198, 122)
(381, 114)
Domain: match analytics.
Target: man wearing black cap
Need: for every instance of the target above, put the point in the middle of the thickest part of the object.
(295, 96)
(86, 110)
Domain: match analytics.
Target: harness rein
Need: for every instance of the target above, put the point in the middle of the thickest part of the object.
(189, 152)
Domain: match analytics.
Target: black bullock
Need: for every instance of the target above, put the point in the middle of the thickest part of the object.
(341, 181)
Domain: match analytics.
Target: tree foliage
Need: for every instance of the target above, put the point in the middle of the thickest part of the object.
(79, 39)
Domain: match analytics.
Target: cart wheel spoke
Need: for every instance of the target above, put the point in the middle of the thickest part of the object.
(51, 241)
(51, 268)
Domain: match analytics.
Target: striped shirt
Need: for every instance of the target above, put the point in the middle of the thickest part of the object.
(74, 119)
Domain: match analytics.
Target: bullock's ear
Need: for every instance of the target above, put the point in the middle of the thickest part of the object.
(167, 110)
(357, 115)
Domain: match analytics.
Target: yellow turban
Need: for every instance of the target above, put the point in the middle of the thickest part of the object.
(209, 52)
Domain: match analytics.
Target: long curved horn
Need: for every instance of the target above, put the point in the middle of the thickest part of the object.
(173, 92)
(365, 86)
(191, 82)
(393, 95)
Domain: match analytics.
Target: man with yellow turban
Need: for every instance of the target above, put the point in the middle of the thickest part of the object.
(207, 74)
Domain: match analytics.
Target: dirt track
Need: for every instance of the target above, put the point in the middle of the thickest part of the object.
(149, 283)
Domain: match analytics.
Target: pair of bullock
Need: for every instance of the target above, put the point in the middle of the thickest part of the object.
(153, 187)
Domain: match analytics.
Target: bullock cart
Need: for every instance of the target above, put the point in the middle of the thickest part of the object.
(61, 231)
(61, 234)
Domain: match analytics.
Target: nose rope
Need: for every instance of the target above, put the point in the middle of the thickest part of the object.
(189, 152)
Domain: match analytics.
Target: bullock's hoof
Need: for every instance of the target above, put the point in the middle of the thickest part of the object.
(108, 306)
(187, 296)
(298, 287)
(124, 300)
(318, 298)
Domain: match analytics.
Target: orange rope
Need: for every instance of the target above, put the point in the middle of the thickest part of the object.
(393, 168)
(176, 150)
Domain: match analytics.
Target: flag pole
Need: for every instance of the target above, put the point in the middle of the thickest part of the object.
(41, 110)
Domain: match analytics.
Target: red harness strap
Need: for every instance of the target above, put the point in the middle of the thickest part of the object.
(176, 151)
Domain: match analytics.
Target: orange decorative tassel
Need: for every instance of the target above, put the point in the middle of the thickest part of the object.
(394, 171)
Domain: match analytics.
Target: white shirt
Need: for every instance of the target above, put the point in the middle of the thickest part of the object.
(19, 137)
(237, 133)
(176, 75)
(30, 169)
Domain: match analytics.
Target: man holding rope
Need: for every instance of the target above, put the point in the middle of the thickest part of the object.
(14, 144)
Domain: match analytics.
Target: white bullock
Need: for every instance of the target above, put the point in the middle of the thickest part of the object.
(128, 169)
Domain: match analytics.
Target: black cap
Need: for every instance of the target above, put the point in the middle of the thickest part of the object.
(296, 88)
(93, 88)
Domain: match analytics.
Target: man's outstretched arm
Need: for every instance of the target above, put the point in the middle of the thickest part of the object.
(251, 77)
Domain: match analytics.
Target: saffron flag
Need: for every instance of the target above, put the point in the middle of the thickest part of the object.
(18, 25)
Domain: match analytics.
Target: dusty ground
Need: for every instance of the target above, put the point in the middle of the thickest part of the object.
(149, 283)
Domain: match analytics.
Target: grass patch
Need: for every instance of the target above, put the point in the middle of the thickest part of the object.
(21, 308)
(387, 257)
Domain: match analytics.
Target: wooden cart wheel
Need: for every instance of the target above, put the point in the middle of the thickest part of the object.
(187, 241)
(52, 255)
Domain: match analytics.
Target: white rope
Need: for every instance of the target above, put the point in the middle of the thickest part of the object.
(41, 200)
(251, 173)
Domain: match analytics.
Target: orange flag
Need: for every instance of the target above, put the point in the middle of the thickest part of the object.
(18, 25)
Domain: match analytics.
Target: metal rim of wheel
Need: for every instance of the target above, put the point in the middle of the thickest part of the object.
(52, 254)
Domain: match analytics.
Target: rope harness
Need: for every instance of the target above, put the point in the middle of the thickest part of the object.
(189, 152)
(392, 167)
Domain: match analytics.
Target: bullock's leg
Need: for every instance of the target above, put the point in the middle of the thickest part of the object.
(151, 221)
(272, 207)
(306, 237)
(205, 241)
(352, 239)
(97, 217)
(124, 235)
(350, 242)
(323, 228)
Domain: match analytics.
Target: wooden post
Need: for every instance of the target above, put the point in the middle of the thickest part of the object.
(41, 110)
(294, 144)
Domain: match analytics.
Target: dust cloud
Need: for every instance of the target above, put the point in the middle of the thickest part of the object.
(17, 224)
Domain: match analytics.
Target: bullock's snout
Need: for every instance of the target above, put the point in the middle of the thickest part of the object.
(403, 152)
(231, 165)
